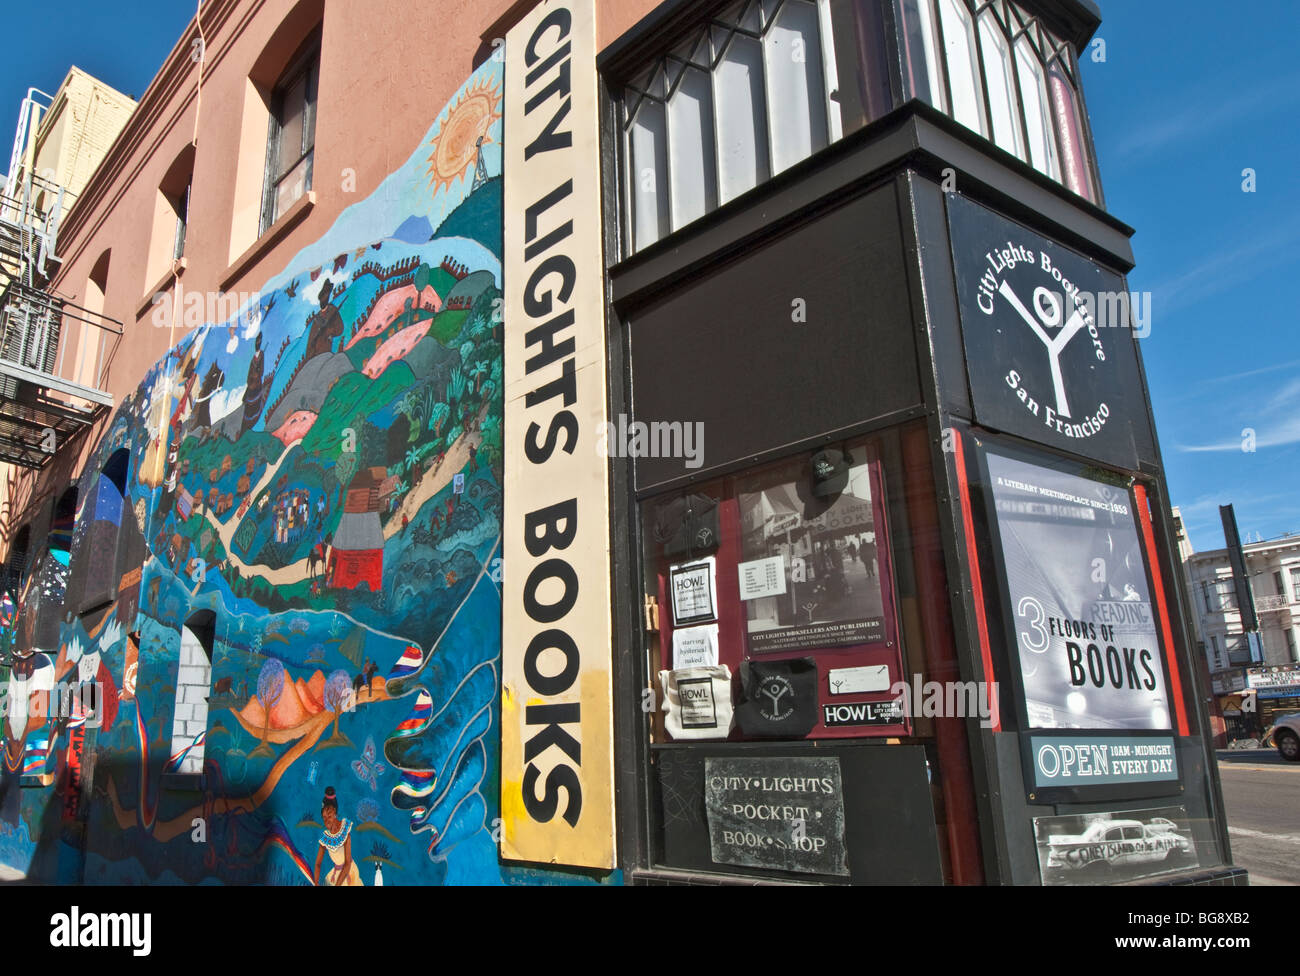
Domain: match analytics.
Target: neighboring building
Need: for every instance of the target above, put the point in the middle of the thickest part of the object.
(51, 363)
(1273, 567)
(1274, 570)
(411, 396)
(74, 132)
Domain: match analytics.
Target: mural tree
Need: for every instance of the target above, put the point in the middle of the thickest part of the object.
(455, 385)
(437, 417)
(270, 686)
(344, 469)
(415, 408)
(399, 436)
(336, 698)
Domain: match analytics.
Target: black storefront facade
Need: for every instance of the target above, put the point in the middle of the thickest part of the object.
(905, 610)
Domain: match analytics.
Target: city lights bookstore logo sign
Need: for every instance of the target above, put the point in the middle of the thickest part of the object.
(1057, 317)
(1042, 362)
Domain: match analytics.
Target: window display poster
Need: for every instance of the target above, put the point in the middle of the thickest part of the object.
(693, 592)
(695, 647)
(1120, 846)
(1085, 632)
(831, 589)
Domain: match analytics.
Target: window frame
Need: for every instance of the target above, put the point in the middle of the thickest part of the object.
(182, 206)
(304, 66)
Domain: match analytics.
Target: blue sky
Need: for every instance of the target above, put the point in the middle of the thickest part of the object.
(1191, 94)
(1188, 97)
(123, 44)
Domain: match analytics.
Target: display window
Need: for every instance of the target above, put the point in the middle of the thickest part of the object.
(776, 585)
(797, 638)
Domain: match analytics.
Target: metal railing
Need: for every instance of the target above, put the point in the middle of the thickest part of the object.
(29, 228)
(1267, 603)
(54, 343)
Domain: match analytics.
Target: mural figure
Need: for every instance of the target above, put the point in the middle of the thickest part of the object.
(213, 380)
(254, 392)
(326, 325)
(336, 840)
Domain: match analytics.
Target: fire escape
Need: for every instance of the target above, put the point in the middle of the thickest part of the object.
(53, 354)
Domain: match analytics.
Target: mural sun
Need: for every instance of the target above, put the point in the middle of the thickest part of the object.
(465, 125)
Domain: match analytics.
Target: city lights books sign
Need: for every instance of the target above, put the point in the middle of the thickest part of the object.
(1086, 645)
(557, 801)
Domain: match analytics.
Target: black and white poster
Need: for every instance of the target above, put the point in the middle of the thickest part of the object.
(1050, 351)
(692, 587)
(826, 548)
(1085, 630)
(1098, 848)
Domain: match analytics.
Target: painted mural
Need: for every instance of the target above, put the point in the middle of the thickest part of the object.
(285, 573)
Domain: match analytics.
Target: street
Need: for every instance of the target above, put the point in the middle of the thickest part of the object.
(1262, 795)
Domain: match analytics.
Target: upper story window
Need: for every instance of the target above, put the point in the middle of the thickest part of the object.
(743, 97)
(1000, 72)
(1220, 595)
(291, 139)
(763, 84)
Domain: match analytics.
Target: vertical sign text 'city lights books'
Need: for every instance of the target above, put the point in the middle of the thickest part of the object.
(557, 798)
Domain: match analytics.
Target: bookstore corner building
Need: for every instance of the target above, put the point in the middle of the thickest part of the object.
(707, 442)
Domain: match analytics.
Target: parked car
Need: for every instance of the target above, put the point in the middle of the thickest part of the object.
(1285, 734)
(1115, 843)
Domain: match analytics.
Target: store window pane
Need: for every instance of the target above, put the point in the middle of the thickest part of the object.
(694, 187)
(1001, 85)
(1038, 117)
(1074, 155)
(920, 53)
(963, 65)
(648, 173)
(796, 86)
(742, 124)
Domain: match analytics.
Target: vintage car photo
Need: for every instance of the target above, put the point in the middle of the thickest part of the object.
(1112, 848)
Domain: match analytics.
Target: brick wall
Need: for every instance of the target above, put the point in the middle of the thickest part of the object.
(193, 685)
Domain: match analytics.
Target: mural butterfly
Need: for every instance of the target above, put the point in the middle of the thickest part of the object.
(368, 768)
